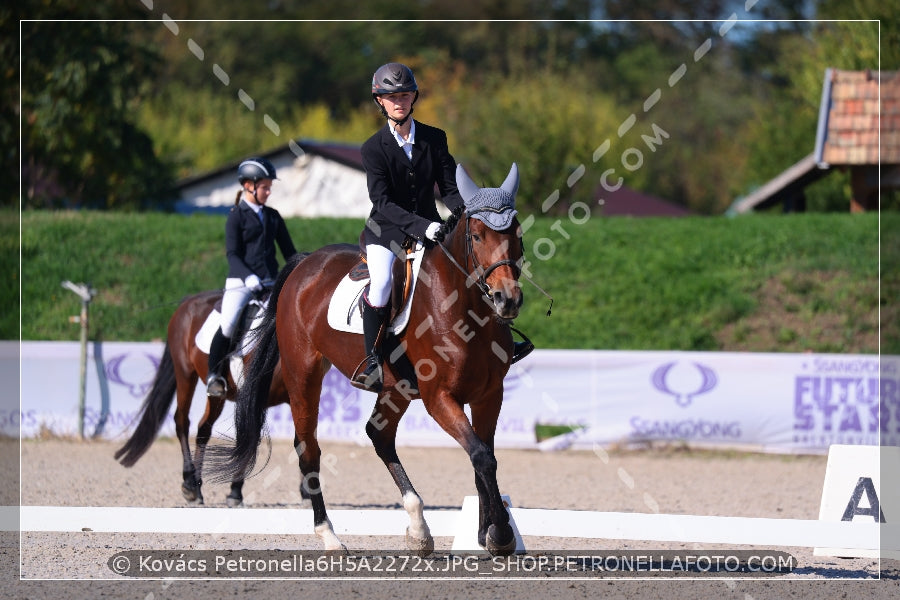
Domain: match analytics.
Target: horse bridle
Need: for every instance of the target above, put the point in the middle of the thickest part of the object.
(483, 273)
(481, 280)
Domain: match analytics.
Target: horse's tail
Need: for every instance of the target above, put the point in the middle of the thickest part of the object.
(153, 412)
(252, 396)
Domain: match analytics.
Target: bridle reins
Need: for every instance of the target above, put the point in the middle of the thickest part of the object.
(481, 280)
(482, 274)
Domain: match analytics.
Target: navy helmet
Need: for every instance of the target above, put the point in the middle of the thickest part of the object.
(254, 169)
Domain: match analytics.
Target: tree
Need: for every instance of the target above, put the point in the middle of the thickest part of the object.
(82, 83)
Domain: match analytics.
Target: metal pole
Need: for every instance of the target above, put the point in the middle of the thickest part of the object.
(86, 293)
(83, 367)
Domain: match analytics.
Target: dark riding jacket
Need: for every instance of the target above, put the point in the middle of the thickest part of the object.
(250, 244)
(402, 190)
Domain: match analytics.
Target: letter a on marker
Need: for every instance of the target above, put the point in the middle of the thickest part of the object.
(864, 485)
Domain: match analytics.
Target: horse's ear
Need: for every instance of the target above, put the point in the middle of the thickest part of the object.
(467, 188)
(511, 185)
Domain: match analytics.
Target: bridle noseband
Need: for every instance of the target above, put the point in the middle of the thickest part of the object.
(482, 273)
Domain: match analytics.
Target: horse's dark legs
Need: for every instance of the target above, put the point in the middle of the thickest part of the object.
(306, 387)
(494, 531)
(491, 510)
(190, 484)
(214, 408)
(382, 430)
(305, 497)
(309, 455)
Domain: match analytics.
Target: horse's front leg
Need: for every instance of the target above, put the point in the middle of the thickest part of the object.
(382, 430)
(495, 534)
(484, 424)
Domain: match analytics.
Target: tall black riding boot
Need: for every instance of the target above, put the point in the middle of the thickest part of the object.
(216, 386)
(374, 321)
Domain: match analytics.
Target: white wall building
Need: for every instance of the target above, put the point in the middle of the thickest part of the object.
(315, 179)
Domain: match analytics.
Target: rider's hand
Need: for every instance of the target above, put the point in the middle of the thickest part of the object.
(253, 283)
(434, 232)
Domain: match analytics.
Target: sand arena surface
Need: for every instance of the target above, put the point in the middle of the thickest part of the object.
(74, 473)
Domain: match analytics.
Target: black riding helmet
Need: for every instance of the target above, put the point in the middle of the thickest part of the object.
(254, 169)
(393, 78)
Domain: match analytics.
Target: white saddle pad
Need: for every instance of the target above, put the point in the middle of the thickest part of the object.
(343, 310)
(204, 337)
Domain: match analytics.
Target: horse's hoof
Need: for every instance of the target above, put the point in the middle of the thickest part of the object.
(422, 547)
(499, 549)
(341, 551)
(234, 502)
(192, 494)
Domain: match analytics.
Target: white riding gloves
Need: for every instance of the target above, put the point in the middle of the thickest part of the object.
(433, 232)
(253, 283)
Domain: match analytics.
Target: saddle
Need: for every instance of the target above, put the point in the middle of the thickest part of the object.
(345, 310)
(401, 276)
(241, 343)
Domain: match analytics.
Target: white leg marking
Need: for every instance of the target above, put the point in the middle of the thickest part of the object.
(326, 532)
(418, 535)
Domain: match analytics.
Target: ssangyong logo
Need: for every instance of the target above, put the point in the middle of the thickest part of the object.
(130, 370)
(686, 385)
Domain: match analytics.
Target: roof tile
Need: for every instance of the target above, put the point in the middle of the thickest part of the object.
(853, 119)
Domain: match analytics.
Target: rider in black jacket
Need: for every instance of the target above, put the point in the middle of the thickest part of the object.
(404, 160)
(251, 233)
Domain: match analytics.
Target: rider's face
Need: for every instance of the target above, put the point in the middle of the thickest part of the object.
(397, 105)
(263, 189)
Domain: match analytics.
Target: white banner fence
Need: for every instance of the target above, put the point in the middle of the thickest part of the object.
(773, 402)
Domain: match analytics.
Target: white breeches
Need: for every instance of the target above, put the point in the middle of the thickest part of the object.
(236, 297)
(380, 261)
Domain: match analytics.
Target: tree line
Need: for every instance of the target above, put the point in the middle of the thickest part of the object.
(663, 96)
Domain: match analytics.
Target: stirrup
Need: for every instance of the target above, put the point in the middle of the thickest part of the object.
(216, 387)
(521, 350)
(371, 379)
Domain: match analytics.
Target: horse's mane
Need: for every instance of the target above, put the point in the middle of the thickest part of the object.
(453, 220)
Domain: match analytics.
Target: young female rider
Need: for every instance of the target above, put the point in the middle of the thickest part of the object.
(251, 232)
(404, 160)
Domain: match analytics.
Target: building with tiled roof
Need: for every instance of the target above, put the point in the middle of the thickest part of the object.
(858, 129)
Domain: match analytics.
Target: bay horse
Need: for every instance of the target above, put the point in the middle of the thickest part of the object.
(181, 366)
(458, 340)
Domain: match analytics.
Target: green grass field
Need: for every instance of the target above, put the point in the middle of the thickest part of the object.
(767, 283)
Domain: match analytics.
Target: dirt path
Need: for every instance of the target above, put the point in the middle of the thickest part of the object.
(71, 473)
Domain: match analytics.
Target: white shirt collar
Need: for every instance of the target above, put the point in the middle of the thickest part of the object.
(254, 207)
(400, 141)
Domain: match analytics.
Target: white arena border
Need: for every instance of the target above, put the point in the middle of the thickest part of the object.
(459, 524)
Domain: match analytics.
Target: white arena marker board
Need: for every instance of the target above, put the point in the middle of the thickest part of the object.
(773, 533)
(854, 491)
(216, 521)
(465, 539)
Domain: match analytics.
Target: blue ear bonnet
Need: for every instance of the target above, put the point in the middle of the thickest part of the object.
(495, 207)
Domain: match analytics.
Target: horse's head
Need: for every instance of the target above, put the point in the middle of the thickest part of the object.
(494, 240)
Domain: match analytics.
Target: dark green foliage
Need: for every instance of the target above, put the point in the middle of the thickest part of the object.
(81, 87)
(116, 103)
